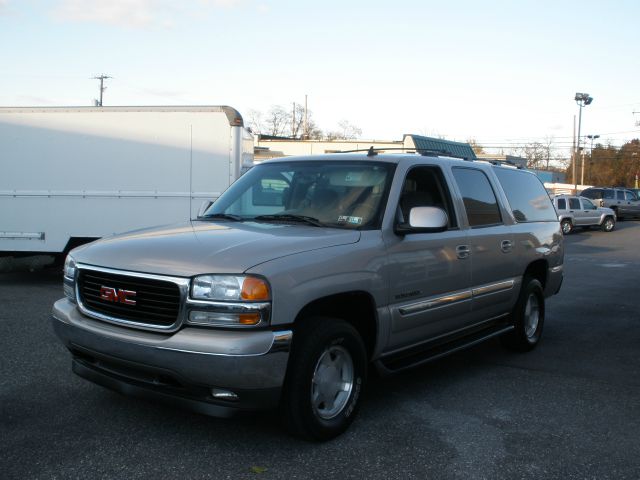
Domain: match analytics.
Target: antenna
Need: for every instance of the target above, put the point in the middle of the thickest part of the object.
(371, 152)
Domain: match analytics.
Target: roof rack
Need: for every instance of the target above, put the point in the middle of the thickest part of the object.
(371, 152)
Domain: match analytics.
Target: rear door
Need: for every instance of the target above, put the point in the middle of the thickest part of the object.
(575, 208)
(491, 245)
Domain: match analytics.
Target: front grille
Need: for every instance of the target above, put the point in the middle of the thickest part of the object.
(157, 301)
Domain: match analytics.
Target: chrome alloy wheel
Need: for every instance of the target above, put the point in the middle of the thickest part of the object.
(332, 382)
(608, 224)
(566, 227)
(531, 315)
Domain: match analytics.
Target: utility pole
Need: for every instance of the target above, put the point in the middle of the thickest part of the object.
(293, 121)
(102, 78)
(306, 126)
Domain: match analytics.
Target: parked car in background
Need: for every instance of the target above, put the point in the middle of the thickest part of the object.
(576, 211)
(623, 201)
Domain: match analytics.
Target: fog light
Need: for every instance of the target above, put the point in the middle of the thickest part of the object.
(69, 291)
(224, 395)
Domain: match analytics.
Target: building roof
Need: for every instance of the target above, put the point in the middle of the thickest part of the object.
(446, 147)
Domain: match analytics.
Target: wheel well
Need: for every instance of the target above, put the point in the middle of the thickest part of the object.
(538, 270)
(356, 308)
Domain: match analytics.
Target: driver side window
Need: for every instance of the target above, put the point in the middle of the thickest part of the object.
(425, 187)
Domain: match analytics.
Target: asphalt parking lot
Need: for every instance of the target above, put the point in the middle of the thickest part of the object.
(569, 409)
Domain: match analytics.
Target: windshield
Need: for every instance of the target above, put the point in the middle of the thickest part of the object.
(338, 194)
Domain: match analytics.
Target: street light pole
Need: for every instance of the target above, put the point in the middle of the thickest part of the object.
(582, 99)
(592, 138)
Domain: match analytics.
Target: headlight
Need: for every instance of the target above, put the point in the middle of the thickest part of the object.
(69, 279)
(229, 301)
(221, 288)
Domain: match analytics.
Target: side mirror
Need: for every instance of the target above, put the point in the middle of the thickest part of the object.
(424, 220)
(204, 206)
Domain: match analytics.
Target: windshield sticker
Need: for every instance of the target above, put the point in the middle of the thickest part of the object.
(353, 177)
(352, 220)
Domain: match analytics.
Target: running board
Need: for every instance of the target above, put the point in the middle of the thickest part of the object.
(415, 356)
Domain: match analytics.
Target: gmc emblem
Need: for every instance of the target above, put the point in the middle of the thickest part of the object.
(117, 295)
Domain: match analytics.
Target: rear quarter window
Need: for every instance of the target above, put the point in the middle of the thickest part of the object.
(562, 203)
(527, 196)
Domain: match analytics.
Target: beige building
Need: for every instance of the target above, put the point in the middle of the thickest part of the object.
(270, 147)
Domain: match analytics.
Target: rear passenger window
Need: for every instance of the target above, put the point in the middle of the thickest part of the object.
(574, 204)
(562, 204)
(608, 194)
(479, 199)
(619, 195)
(528, 199)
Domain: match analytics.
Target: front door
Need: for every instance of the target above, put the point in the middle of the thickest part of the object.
(430, 273)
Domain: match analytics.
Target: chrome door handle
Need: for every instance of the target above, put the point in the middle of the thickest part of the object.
(463, 251)
(506, 246)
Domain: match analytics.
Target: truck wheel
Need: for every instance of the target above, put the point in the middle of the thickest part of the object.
(566, 226)
(527, 316)
(608, 224)
(327, 371)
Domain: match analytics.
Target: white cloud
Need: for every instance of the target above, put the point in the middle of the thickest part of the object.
(130, 13)
(133, 13)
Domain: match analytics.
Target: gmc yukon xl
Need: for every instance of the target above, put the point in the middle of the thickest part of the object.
(307, 273)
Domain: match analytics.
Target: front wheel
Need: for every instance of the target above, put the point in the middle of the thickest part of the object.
(566, 226)
(326, 374)
(528, 317)
(608, 224)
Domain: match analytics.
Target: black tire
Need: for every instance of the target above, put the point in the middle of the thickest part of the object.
(566, 226)
(608, 224)
(318, 341)
(526, 335)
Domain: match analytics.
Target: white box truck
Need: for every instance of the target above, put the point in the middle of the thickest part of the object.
(71, 174)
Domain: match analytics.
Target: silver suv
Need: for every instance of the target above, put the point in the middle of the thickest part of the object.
(307, 273)
(622, 201)
(581, 212)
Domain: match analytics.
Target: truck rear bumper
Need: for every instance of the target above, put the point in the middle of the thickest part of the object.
(210, 371)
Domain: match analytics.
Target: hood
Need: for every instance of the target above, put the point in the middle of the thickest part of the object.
(196, 248)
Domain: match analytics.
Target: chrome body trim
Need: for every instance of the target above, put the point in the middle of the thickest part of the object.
(557, 268)
(436, 302)
(452, 298)
(493, 288)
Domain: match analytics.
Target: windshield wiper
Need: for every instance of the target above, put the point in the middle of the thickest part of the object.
(292, 218)
(225, 216)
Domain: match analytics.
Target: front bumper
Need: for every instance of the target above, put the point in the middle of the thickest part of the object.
(181, 367)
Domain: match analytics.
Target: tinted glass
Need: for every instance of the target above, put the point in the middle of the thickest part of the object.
(629, 195)
(574, 204)
(335, 194)
(608, 194)
(479, 199)
(619, 195)
(587, 205)
(527, 197)
(592, 193)
(562, 204)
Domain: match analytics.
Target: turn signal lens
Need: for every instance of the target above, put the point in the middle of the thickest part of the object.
(254, 289)
(249, 318)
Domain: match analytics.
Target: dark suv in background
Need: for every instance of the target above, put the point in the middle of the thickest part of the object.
(624, 202)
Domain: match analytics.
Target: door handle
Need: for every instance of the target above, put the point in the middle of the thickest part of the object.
(463, 251)
(506, 246)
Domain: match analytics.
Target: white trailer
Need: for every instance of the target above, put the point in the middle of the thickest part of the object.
(71, 174)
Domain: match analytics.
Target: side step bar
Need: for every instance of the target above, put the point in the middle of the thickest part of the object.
(415, 356)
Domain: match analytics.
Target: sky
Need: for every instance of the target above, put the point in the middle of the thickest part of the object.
(501, 72)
